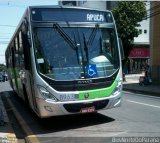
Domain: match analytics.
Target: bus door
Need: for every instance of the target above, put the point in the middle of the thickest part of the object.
(28, 81)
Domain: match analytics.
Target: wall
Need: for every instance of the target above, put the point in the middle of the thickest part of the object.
(94, 4)
(155, 42)
(144, 25)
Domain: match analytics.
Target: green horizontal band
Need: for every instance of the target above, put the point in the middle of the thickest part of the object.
(98, 93)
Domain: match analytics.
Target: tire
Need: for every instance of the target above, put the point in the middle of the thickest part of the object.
(25, 95)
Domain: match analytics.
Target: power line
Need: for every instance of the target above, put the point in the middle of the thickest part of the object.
(8, 4)
(154, 7)
(4, 38)
(152, 15)
(153, 10)
(6, 33)
(4, 42)
(8, 25)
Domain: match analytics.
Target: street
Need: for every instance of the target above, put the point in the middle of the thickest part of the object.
(138, 116)
(64, 57)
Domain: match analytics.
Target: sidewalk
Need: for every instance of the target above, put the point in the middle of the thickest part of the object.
(6, 131)
(132, 84)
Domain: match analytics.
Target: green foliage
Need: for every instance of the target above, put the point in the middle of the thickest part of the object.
(2, 67)
(127, 15)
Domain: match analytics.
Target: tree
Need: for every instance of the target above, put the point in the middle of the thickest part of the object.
(2, 67)
(127, 15)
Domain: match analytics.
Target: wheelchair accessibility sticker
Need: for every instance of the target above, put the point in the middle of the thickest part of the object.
(91, 70)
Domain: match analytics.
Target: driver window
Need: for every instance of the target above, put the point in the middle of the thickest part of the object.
(107, 49)
(107, 46)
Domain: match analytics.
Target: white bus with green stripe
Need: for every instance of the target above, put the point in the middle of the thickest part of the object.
(65, 60)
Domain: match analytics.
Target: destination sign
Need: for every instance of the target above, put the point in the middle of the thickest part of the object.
(70, 15)
(95, 17)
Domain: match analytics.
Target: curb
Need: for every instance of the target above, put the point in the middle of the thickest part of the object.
(7, 134)
(30, 137)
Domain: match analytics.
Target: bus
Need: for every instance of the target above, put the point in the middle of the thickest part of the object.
(65, 60)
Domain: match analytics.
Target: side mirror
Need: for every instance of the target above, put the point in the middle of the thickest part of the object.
(25, 25)
(121, 49)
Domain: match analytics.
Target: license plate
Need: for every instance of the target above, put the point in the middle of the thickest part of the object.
(87, 109)
(68, 97)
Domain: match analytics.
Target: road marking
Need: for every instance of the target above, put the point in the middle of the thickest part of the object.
(31, 138)
(143, 104)
(140, 94)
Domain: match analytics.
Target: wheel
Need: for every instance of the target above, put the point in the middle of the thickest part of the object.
(25, 95)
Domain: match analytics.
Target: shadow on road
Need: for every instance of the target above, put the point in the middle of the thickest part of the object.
(53, 124)
(62, 123)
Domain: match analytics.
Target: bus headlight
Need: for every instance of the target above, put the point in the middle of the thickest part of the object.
(46, 94)
(118, 88)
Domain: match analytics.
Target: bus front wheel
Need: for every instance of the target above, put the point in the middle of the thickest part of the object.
(25, 95)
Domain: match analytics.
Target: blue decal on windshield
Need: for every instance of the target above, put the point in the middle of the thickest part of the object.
(91, 70)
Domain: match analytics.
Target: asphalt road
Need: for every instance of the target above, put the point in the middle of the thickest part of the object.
(138, 116)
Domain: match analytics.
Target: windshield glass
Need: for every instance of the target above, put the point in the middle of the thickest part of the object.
(94, 55)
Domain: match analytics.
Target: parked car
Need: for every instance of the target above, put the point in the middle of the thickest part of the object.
(1, 77)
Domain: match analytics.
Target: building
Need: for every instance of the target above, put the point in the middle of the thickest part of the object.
(84, 3)
(155, 41)
(139, 56)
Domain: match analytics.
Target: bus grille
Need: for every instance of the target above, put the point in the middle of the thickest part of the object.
(76, 107)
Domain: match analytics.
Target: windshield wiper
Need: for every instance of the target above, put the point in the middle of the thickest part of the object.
(86, 48)
(73, 44)
(93, 35)
(65, 36)
(88, 44)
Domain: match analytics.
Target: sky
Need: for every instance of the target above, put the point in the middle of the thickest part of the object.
(11, 12)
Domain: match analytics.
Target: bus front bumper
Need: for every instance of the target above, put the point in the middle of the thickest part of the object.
(48, 109)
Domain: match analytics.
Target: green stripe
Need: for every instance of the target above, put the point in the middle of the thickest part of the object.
(98, 93)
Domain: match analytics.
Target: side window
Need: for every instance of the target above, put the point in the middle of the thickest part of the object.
(16, 52)
(7, 59)
(26, 43)
(107, 47)
(13, 54)
(21, 52)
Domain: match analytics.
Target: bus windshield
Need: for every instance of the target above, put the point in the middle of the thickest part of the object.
(71, 53)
